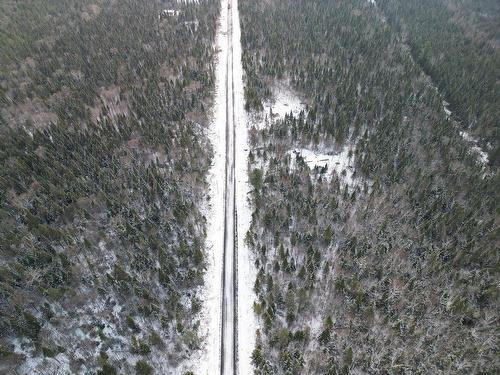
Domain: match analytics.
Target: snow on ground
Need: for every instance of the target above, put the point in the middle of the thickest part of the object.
(372, 2)
(340, 162)
(74, 336)
(247, 322)
(283, 101)
(475, 148)
(207, 361)
(446, 109)
(482, 156)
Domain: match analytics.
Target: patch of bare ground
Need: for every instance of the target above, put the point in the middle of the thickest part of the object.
(197, 117)
(111, 101)
(33, 113)
(92, 11)
(168, 71)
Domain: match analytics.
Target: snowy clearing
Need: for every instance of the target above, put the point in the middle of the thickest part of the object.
(341, 162)
(283, 102)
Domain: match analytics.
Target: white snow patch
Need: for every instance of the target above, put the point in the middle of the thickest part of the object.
(38, 365)
(283, 102)
(446, 108)
(475, 148)
(316, 326)
(340, 162)
(482, 156)
(22, 346)
(109, 257)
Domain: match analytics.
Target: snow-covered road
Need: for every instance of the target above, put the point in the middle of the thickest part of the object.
(230, 275)
(229, 267)
(238, 320)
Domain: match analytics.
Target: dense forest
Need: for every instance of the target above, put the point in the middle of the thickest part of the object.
(103, 160)
(394, 270)
(457, 44)
(379, 257)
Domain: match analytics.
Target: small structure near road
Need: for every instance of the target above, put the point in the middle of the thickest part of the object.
(168, 13)
(192, 24)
